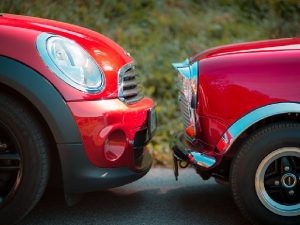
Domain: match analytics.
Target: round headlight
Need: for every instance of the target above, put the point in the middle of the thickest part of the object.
(70, 62)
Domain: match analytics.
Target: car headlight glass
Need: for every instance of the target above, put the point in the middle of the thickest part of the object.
(70, 62)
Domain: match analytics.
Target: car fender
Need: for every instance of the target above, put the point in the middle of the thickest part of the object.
(45, 98)
(253, 117)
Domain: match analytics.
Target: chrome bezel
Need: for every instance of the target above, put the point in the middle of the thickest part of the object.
(41, 44)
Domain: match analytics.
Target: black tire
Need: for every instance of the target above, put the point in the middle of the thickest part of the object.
(267, 148)
(22, 137)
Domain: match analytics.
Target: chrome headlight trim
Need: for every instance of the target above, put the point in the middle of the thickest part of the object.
(42, 47)
(189, 72)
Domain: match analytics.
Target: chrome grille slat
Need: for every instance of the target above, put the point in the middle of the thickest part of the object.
(131, 92)
(129, 84)
(184, 110)
(129, 74)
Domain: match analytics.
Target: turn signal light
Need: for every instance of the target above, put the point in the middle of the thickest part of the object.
(190, 131)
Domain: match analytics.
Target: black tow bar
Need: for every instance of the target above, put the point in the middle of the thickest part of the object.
(175, 167)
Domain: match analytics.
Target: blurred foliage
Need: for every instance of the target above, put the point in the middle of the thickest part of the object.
(159, 32)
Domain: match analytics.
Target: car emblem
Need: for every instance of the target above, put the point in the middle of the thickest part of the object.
(289, 180)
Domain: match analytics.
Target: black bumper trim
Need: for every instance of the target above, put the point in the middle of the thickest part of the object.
(80, 176)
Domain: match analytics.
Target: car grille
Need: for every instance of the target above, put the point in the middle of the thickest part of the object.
(129, 89)
(184, 109)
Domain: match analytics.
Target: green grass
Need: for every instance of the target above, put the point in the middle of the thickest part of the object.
(157, 33)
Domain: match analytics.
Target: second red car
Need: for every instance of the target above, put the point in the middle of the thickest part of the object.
(240, 106)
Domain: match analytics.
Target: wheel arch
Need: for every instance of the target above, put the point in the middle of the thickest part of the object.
(38, 94)
(43, 96)
(245, 126)
(278, 112)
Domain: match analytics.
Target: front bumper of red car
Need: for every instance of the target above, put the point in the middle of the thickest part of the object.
(112, 153)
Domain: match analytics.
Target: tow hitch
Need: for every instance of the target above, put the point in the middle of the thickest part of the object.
(179, 163)
(182, 157)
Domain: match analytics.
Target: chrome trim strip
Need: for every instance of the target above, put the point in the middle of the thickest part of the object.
(203, 160)
(41, 45)
(236, 129)
(194, 68)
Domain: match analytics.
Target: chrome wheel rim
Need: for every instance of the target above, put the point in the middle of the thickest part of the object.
(11, 166)
(277, 181)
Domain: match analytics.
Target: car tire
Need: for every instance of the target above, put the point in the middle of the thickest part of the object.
(24, 160)
(260, 182)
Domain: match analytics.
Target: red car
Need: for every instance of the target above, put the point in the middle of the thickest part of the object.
(240, 106)
(71, 109)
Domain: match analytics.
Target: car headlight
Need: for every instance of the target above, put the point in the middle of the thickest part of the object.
(70, 62)
(189, 90)
(188, 87)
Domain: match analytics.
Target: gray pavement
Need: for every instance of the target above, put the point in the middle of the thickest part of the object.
(155, 199)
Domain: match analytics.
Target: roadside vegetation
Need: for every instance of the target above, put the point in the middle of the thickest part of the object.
(157, 33)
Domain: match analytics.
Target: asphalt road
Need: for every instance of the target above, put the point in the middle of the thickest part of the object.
(155, 199)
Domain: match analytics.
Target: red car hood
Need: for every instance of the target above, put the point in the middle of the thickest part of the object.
(248, 47)
(64, 29)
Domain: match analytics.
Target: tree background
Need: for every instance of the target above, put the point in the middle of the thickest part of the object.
(158, 32)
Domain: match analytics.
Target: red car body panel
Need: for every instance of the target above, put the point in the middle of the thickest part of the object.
(237, 79)
(240, 106)
(95, 115)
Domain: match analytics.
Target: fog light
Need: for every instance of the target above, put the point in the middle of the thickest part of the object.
(115, 145)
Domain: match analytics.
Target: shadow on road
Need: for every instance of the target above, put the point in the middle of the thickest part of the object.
(155, 199)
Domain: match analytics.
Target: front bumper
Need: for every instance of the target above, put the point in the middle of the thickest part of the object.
(112, 152)
(183, 152)
(107, 126)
